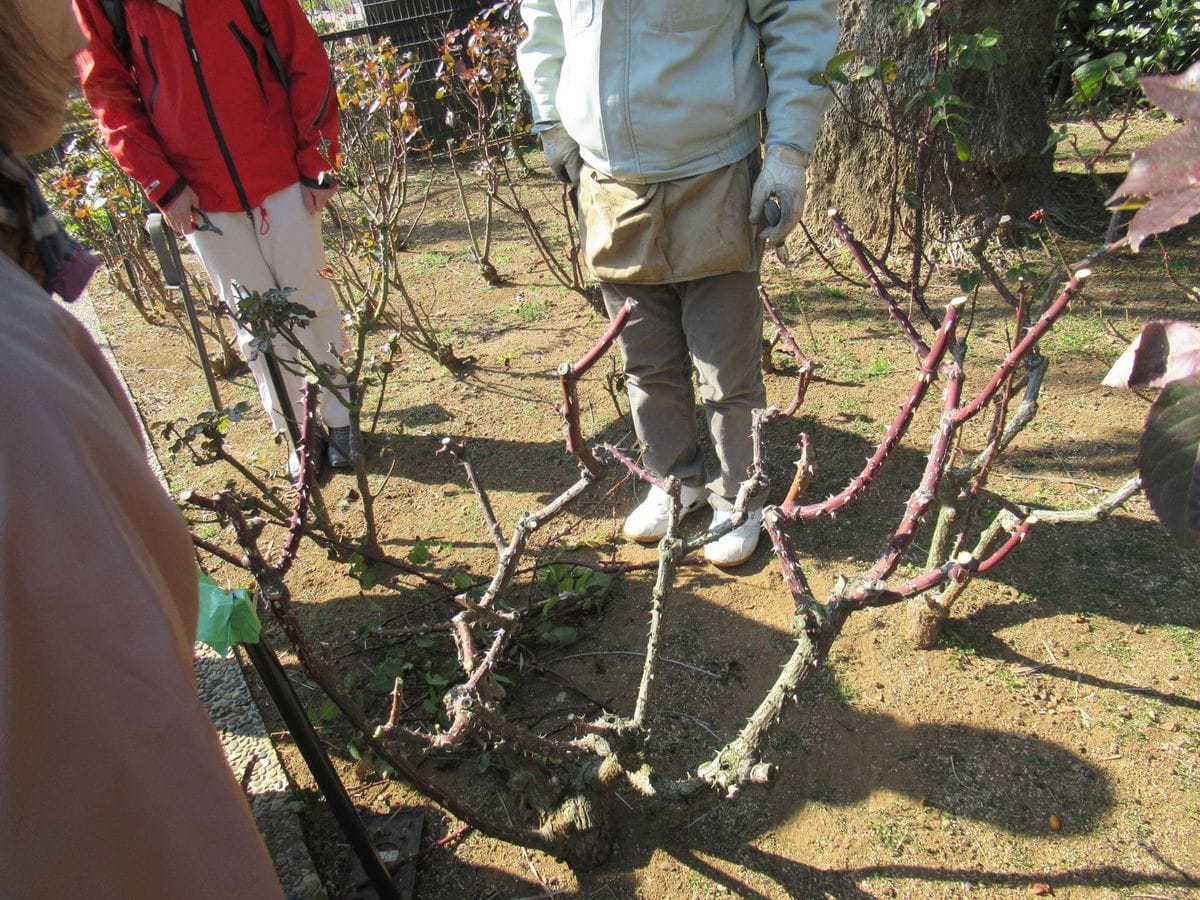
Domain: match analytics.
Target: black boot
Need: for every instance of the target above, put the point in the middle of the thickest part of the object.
(338, 452)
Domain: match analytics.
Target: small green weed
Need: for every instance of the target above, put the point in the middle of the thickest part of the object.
(325, 712)
(849, 406)
(208, 530)
(530, 311)
(429, 261)
(879, 367)
(960, 656)
(1118, 650)
(889, 834)
(960, 646)
(1184, 639)
(844, 693)
(1010, 679)
(360, 570)
(1076, 334)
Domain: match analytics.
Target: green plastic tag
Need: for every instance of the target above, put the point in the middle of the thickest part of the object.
(226, 617)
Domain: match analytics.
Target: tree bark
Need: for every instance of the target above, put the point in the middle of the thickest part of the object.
(854, 163)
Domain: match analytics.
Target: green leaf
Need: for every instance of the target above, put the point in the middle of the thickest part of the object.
(462, 581)
(485, 761)
(962, 148)
(1169, 458)
(1093, 74)
(1056, 138)
(419, 554)
(226, 617)
(384, 675)
(326, 712)
(969, 280)
(550, 576)
(835, 68)
(594, 579)
(830, 74)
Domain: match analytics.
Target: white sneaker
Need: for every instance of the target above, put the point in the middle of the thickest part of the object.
(737, 546)
(648, 523)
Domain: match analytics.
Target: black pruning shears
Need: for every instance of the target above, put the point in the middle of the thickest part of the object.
(773, 214)
(205, 222)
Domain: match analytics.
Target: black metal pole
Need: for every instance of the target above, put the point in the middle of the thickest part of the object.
(281, 394)
(266, 663)
(197, 336)
(166, 248)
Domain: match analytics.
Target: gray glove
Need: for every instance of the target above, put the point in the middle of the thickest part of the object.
(782, 177)
(562, 154)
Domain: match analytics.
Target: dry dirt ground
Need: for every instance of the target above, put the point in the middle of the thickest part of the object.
(1049, 743)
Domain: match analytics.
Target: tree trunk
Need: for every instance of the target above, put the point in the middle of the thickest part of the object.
(1009, 171)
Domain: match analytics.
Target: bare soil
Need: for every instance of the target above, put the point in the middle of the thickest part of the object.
(1050, 742)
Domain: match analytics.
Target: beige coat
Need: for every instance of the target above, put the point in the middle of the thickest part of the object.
(112, 779)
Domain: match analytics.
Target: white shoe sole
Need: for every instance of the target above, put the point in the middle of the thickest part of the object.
(731, 564)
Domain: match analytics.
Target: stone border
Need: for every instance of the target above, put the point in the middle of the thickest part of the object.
(239, 724)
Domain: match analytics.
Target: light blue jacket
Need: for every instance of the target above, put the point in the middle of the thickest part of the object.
(654, 90)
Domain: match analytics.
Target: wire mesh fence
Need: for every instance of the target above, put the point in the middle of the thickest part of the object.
(414, 26)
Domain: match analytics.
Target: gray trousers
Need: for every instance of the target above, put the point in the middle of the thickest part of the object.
(714, 324)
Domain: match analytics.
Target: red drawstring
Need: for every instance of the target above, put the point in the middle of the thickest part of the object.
(265, 226)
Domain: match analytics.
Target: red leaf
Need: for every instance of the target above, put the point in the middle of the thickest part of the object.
(1162, 214)
(1169, 458)
(1162, 353)
(1167, 171)
(1177, 94)
(1166, 163)
(1040, 889)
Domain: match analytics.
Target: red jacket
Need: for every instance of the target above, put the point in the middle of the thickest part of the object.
(202, 106)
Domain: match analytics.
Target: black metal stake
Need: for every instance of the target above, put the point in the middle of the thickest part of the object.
(285, 402)
(167, 250)
(266, 663)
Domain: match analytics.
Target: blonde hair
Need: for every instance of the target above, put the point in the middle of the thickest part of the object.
(30, 77)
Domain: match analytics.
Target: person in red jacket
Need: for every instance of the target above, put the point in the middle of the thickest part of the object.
(234, 136)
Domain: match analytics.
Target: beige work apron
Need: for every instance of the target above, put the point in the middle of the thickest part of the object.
(669, 231)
